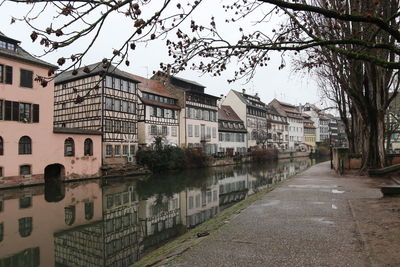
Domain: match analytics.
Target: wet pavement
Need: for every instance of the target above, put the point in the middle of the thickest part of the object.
(315, 219)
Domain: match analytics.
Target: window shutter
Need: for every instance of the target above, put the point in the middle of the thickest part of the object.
(7, 110)
(26, 78)
(35, 113)
(9, 74)
(15, 111)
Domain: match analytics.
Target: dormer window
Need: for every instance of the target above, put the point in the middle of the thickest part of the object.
(7, 45)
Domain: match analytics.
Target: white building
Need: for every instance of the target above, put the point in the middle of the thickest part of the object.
(252, 112)
(232, 132)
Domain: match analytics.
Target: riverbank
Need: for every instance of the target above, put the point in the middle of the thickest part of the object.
(316, 219)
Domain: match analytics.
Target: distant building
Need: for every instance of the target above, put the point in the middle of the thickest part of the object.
(198, 117)
(342, 136)
(295, 120)
(253, 113)
(158, 113)
(278, 129)
(100, 97)
(309, 132)
(324, 133)
(231, 130)
(314, 113)
(31, 151)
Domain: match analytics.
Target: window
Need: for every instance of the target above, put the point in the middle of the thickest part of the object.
(117, 150)
(173, 131)
(109, 82)
(125, 149)
(25, 145)
(109, 104)
(117, 105)
(190, 130)
(196, 130)
(164, 130)
(125, 86)
(1, 146)
(214, 132)
(69, 213)
(88, 147)
(25, 170)
(24, 112)
(26, 78)
(89, 210)
(1, 175)
(132, 148)
(25, 226)
(9, 74)
(124, 106)
(69, 147)
(108, 126)
(25, 202)
(153, 130)
(1, 73)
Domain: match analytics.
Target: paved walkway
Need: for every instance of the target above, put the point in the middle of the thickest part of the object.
(310, 220)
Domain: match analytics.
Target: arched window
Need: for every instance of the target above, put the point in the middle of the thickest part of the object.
(25, 226)
(25, 145)
(69, 147)
(88, 147)
(1, 146)
(89, 206)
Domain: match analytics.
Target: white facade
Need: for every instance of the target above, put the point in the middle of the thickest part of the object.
(296, 132)
(232, 140)
(202, 128)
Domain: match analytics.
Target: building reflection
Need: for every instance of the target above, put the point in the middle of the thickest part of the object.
(115, 222)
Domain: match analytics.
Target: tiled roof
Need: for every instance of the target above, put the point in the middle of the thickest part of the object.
(151, 86)
(226, 113)
(95, 69)
(243, 98)
(21, 54)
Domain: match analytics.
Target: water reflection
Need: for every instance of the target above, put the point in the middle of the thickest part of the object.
(115, 222)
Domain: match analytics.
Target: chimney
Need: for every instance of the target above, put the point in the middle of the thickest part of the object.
(256, 95)
(221, 95)
(243, 91)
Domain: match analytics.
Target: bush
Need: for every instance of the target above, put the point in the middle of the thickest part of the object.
(262, 154)
(172, 158)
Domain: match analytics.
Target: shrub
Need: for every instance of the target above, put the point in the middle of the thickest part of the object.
(262, 154)
(195, 158)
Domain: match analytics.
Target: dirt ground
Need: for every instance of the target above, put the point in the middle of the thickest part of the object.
(379, 225)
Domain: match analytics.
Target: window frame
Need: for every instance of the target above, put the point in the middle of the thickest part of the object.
(26, 74)
(26, 166)
(88, 147)
(70, 143)
(25, 147)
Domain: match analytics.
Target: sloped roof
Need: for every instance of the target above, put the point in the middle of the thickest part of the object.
(226, 113)
(95, 69)
(151, 86)
(21, 54)
(243, 98)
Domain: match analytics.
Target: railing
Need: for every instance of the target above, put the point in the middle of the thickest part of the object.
(205, 138)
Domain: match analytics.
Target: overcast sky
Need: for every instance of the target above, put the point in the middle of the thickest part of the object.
(269, 82)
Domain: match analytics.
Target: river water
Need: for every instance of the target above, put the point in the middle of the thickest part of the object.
(114, 222)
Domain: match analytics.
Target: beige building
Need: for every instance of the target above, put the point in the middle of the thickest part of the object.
(277, 129)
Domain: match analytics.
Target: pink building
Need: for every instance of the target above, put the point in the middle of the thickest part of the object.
(31, 151)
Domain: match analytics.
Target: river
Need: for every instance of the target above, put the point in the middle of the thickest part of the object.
(114, 222)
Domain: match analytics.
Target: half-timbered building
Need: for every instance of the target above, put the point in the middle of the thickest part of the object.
(198, 118)
(158, 113)
(251, 110)
(232, 132)
(101, 97)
